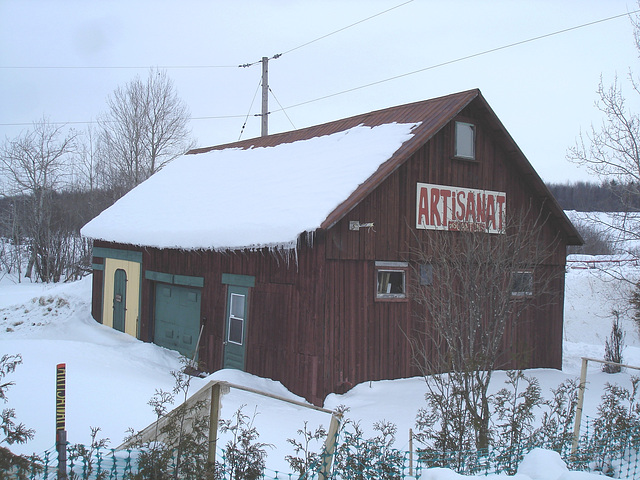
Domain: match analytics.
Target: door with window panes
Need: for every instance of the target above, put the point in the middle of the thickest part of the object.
(235, 334)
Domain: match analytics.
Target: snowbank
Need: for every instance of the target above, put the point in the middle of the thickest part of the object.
(111, 376)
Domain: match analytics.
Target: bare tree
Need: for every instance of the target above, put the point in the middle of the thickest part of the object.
(85, 171)
(145, 128)
(472, 286)
(596, 240)
(611, 151)
(35, 165)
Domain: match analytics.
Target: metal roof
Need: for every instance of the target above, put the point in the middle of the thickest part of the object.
(432, 115)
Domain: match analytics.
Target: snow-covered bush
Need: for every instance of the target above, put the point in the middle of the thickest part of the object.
(305, 457)
(357, 458)
(12, 432)
(557, 421)
(179, 445)
(521, 419)
(244, 456)
(85, 457)
(617, 423)
(614, 346)
(514, 417)
(444, 425)
(597, 241)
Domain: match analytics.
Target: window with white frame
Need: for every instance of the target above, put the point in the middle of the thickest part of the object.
(465, 146)
(391, 280)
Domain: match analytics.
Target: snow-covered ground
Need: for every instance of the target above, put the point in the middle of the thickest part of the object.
(111, 376)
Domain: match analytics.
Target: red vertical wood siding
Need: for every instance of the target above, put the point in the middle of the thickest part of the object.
(314, 322)
(535, 341)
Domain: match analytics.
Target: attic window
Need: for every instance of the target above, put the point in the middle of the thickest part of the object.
(465, 140)
(391, 280)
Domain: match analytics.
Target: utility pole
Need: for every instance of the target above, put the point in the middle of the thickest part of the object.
(265, 97)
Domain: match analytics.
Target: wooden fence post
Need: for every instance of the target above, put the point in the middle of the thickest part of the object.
(330, 446)
(581, 387)
(214, 417)
(411, 452)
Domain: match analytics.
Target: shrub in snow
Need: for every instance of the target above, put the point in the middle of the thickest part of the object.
(445, 424)
(468, 307)
(358, 458)
(614, 346)
(244, 457)
(557, 421)
(618, 420)
(13, 465)
(153, 456)
(514, 414)
(85, 458)
(179, 447)
(521, 419)
(597, 241)
(177, 444)
(307, 459)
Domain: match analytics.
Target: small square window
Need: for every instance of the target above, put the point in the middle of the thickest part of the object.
(522, 284)
(465, 140)
(391, 280)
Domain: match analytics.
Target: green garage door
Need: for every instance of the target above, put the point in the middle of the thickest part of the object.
(177, 318)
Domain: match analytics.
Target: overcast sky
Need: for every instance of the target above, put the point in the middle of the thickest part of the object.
(543, 90)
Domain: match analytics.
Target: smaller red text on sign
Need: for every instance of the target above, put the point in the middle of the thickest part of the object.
(460, 209)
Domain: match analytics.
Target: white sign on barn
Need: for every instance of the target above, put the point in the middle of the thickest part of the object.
(460, 209)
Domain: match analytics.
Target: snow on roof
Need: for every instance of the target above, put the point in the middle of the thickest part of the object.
(258, 197)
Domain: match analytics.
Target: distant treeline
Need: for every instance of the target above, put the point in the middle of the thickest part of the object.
(68, 211)
(593, 197)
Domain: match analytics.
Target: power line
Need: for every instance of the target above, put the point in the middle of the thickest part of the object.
(249, 112)
(431, 67)
(282, 109)
(345, 28)
(278, 55)
(460, 59)
(94, 122)
(114, 67)
(175, 67)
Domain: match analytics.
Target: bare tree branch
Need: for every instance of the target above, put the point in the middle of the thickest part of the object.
(145, 128)
(37, 165)
(481, 284)
(611, 151)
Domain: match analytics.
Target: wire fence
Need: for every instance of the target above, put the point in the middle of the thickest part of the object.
(614, 454)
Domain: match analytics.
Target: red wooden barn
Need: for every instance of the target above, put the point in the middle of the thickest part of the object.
(286, 255)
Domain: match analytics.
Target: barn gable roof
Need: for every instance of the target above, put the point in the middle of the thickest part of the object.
(217, 197)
